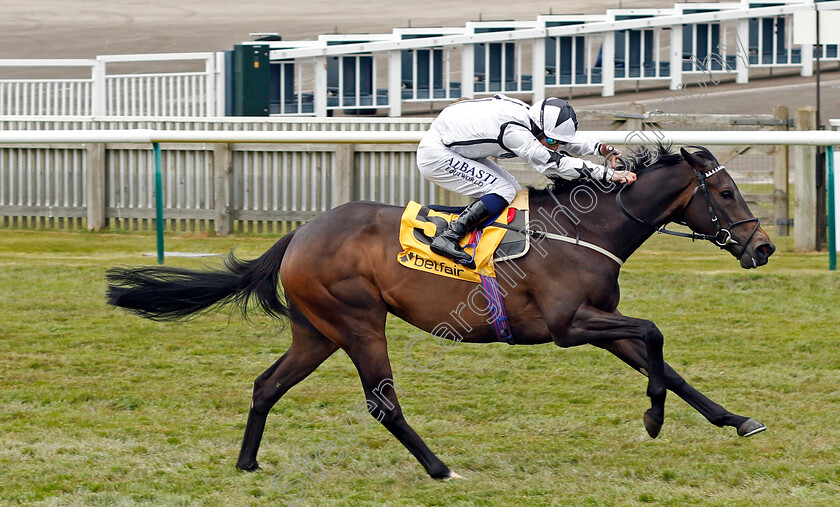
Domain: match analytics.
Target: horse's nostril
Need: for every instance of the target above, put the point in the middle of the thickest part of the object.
(765, 249)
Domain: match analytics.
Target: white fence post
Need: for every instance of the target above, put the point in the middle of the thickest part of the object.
(742, 51)
(99, 89)
(467, 71)
(676, 56)
(219, 77)
(538, 77)
(807, 52)
(222, 185)
(805, 186)
(343, 171)
(608, 64)
(320, 95)
(395, 83)
(781, 171)
(95, 186)
(210, 86)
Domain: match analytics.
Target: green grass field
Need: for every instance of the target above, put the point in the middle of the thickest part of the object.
(103, 408)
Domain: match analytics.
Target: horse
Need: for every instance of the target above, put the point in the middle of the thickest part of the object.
(340, 280)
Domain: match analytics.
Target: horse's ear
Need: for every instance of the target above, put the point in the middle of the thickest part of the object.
(696, 162)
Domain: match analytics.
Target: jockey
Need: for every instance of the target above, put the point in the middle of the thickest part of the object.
(455, 154)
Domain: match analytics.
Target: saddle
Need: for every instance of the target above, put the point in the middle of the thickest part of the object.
(495, 242)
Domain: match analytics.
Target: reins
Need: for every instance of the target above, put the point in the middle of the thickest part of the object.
(722, 238)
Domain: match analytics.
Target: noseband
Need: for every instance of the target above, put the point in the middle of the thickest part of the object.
(723, 237)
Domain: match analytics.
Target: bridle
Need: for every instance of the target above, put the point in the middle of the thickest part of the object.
(723, 237)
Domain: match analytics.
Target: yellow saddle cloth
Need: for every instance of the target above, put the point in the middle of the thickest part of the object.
(419, 224)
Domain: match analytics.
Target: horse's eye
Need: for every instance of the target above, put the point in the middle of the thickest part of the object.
(727, 194)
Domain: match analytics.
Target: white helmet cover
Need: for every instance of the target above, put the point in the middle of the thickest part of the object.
(555, 118)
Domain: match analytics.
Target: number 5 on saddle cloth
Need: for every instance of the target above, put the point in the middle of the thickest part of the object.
(489, 245)
(419, 224)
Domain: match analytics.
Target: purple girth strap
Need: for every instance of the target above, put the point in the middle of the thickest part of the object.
(496, 305)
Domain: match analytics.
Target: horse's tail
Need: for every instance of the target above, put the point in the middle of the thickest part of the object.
(166, 293)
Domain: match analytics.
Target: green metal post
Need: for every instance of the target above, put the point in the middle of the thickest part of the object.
(832, 212)
(158, 203)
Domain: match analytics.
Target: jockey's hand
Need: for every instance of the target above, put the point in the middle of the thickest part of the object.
(624, 176)
(610, 153)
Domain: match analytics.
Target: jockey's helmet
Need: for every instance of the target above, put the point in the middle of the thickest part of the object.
(555, 118)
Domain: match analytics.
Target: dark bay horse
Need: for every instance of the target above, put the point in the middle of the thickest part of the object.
(340, 279)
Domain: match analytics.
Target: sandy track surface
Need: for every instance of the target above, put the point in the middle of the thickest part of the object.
(86, 28)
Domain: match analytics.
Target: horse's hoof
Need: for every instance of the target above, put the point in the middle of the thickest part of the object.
(652, 425)
(750, 427)
(250, 467)
(444, 474)
(452, 475)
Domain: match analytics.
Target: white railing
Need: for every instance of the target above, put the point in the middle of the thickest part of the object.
(573, 51)
(241, 178)
(52, 183)
(33, 123)
(183, 94)
(360, 73)
(427, 75)
(248, 181)
(177, 93)
(46, 97)
(773, 39)
(621, 138)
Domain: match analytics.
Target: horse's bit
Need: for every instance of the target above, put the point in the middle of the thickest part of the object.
(723, 237)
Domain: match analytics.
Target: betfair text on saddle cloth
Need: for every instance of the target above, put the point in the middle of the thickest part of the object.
(456, 154)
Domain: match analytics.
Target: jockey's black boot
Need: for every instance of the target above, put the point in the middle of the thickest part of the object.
(447, 242)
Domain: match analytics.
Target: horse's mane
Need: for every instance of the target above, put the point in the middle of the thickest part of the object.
(643, 158)
(639, 160)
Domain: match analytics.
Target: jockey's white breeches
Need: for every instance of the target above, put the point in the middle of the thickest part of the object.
(465, 176)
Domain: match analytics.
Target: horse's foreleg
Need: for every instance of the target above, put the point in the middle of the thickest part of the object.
(633, 353)
(595, 327)
(308, 350)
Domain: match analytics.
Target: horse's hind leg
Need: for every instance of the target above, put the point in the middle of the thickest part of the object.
(371, 360)
(633, 353)
(361, 334)
(308, 350)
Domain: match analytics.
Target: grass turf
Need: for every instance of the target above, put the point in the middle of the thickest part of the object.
(103, 408)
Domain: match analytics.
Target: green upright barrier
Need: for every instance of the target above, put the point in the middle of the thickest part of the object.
(158, 202)
(833, 182)
(251, 80)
